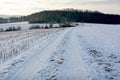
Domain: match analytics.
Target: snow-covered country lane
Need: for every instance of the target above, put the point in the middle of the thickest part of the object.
(86, 52)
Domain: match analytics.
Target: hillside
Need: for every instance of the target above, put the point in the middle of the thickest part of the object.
(72, 15)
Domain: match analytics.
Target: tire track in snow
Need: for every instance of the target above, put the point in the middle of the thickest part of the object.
(38, 62)
(73, 67)
(54, 62)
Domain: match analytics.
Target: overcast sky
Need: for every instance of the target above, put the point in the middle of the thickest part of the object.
(25, 7)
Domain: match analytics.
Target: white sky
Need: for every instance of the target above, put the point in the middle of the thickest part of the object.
(25, 7)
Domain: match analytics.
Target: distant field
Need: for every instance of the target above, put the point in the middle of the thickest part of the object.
(23, 25)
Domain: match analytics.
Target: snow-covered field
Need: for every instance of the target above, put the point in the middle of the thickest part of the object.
(85, 52)
(23, 25)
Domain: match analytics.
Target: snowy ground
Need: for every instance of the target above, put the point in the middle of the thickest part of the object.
(23, 25)
(86, 52)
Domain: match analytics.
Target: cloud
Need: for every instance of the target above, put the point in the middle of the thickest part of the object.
(24, 7)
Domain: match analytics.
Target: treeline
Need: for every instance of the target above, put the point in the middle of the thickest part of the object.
(3, 20)
(73, 15)
(13, 19)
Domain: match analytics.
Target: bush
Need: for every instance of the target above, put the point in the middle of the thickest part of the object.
(18, 28)
(1, 30)
(41, 27)
(13, 29)
(35, 27)
(46, 27)
(66, 25)
(51, 25)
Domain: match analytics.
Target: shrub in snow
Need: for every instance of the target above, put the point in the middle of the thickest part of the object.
(1, 30)
(46, 27)
(13, 29)
(35, 27)
(66, 25)
(18, 28)
(51, 26)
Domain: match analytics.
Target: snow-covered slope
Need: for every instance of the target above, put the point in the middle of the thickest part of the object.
(86, 52)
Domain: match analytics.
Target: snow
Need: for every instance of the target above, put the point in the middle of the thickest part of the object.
(24, 25)
(102, 44)
(85, 52)
(73, 67)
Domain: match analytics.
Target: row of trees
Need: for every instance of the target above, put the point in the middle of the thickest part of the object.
(13, 19)
(3, 20)
(53, 26)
